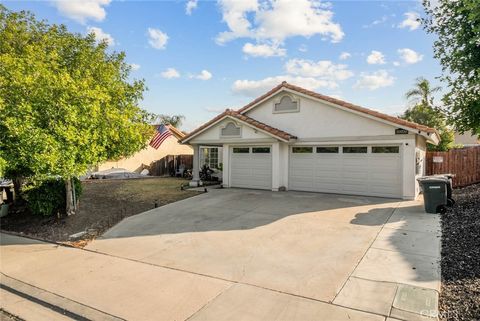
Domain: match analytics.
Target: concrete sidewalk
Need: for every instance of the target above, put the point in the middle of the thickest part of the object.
(129, 290)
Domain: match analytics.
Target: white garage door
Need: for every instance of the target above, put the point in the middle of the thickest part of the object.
(356, 170)
(251, 167)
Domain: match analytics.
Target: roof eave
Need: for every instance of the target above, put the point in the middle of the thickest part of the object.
(188, 138)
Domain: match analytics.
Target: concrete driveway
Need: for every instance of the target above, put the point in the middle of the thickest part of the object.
(305, 244)
(245, 255)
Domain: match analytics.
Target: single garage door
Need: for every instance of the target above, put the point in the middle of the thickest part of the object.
(251, 167)
(356, 170)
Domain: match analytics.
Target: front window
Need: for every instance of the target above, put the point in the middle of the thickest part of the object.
(209, 157)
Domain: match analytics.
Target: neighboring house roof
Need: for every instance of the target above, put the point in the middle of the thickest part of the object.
(243, 118)
(338, 102)
(175, 131)
(467, 139)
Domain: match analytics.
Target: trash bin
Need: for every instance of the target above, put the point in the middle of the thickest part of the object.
(434, 193)
(449, 177)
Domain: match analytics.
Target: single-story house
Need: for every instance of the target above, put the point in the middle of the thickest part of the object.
(149, 155)
(295, 139)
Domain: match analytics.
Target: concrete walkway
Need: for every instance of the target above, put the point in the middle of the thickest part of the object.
(332, 258)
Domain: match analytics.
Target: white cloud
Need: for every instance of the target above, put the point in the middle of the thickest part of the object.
(323, 69)
(374, 80)
(157, 38)
(376, 22)
(409, 56)
(235, 16)
(376, 58)
(263, 50)
(254, 88)
(135, 67)
(411, 21)
(82, 10)
(190, 6)
(203, 75)
(170, 73)
(277, 20)
(100, 35)
(345, 55)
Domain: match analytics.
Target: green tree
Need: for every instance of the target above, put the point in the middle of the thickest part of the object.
(65, 102)
(457, 27)
(422, 92)
(424, 112)
(431, 117)
(174, 120)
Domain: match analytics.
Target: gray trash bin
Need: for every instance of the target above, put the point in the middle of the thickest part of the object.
(434, 193)
(449, 177)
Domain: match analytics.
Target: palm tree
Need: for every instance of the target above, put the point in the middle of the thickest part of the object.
(422, 92)
(174, 120)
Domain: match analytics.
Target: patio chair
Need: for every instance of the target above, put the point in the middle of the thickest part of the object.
(180, 170)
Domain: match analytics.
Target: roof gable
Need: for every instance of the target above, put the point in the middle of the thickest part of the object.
(244, 119)
(284, 86)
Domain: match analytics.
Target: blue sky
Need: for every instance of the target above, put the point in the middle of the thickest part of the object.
(200, 57)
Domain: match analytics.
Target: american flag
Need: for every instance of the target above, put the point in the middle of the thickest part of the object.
(161, 134)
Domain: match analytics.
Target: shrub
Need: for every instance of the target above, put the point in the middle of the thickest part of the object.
(48, 197)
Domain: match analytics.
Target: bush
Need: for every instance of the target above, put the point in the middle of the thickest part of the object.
(48, 197)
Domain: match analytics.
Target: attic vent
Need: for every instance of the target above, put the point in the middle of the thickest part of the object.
(286, 104)
(230, 130)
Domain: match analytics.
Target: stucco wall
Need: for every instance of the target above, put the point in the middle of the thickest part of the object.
(149, 155)
(421, 154)
(317, 119)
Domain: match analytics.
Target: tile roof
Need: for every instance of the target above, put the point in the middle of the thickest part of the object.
(176, 132)
(339, 102)
(254, 123)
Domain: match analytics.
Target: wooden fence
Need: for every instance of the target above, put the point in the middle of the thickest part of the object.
(463, 162)
(170, 163)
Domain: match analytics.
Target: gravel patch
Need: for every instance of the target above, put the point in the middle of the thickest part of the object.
(460, 295)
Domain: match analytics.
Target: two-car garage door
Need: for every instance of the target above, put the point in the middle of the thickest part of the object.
(357, 170)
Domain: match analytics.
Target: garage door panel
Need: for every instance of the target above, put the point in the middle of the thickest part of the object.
(355, 174)
(361, 174)
(251, 170)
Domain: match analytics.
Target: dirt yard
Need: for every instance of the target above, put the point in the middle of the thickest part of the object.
(103, 204)
(460, 295)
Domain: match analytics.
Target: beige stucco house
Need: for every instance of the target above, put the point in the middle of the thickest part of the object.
(295, 139)
(149, 155)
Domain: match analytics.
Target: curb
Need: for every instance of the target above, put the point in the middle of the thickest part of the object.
(54, 302)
